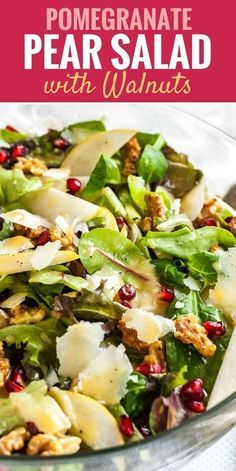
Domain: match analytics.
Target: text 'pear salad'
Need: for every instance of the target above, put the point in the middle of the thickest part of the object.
(117, 292)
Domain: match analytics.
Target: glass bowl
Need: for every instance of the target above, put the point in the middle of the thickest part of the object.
(214, 152)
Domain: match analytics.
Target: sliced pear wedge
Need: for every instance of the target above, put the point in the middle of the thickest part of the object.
(50, 203)
(20, 262)
(225, 384)
(83, 157)
(193, 201)
(90, 420)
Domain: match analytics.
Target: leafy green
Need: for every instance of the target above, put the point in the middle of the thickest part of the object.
(175, 221)
(133, 400)
(138, 192)
(106, 171)
(201, 267)
(9, 418)
(184, 243)
(152, 164)
(52, 277)
(168, 272)
(177, 380)
(14, 185)
(46, 150)
(7, 230)
(180, 355)
(151, 139)
(105, 246)
(109, 199)
(95, 307)
(180, 179)
(78, 132)
(37, 340)
(11, 136)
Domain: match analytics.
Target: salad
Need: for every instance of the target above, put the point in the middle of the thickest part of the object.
(117, 297)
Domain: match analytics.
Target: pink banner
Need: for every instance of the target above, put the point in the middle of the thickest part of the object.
(117, 51)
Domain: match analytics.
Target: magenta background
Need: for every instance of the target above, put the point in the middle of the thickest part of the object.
(216, 19)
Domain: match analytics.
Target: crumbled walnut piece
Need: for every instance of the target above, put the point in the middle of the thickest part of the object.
(26, 315)
(232, 225)
(146, 224)
(13, 441)
(130, 338)
(132, 153)
(156, 355)
(49, 445)
(65, 239)
(208, 210)
(30, 165)
(4, 366)
(155, 205)
(189, 331)
(30, 233)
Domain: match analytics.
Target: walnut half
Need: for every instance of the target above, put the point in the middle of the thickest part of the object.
(189, 331)
(4, 366)
(13, 441)
(49, 445)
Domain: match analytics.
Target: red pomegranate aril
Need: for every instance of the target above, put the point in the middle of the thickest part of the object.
(147, 369)
(19, 150)
(61, 143)
(126, 303)
(120, 223)
(73, 185)
(192, 391)
(10, 128)
(126, 426)
(44, 238)
(127, 292)
(195, 406)
(33, 430)
(13, 386)
(17, 376)
(214, 329)
(166, 295)
(4, 156)
(209, 222)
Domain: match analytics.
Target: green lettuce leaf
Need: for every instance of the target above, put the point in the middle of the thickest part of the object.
(151, 139)
(152, 164)
(38, 341)
(7, 230)
(11, 136)
(201, 267)
(14, 185)
(78, 132)
(184, 242)
(101, 247)
(105, 172)
(180, 178)
(52, 277)
(138, 192)
(9, 418)
(168, 273)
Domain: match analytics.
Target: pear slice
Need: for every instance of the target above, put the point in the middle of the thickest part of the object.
(90, 420)
(225, 384)
(50, 203)
(83, 157)
(20, 262)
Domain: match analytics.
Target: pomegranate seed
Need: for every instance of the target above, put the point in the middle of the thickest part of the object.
(126, 304)
(33, 430)
(120, 223)
(13, 386)
(214, 329)
(192, 391)
(10, 128)
(195, 406)
(147, 369)
(209, 222)
(17, 376)
(166, 295)
(127, 292)
(4, 156)
(61, 143)
(73, 185)
(44, 238)
(126, 426)
(19, 150)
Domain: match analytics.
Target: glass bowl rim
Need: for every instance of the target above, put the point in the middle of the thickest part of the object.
(86, 455)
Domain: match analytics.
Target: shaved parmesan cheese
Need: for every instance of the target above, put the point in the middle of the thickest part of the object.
(14, 245)
(26, 219)
(106, 377)
(149, 327)
(44, 254)
(56, 173)
(13, 301)
(223, 295)
(78, 347)
(111, 281)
